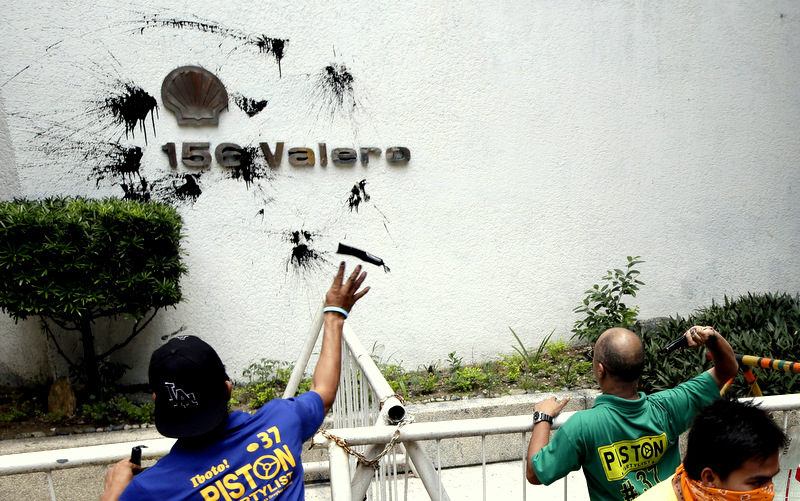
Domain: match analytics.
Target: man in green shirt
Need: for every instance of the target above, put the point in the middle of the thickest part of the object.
(628, 441)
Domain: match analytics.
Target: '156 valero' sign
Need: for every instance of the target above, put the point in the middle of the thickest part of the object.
(230, 154)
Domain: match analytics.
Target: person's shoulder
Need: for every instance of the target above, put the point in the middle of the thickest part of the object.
(702, 383)
(305, 402)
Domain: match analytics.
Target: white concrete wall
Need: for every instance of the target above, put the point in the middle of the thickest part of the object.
(9, 180)
(548, 139)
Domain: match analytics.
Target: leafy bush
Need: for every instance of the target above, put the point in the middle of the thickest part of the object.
(756, 324)
(117, 409)
(603, 307)
(70, 261)
(468, 378)
(533, 360)
(267, 380)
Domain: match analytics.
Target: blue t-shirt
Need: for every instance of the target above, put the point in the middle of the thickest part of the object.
(258, 458)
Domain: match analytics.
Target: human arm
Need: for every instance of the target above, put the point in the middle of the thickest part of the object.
(342, 294)
(118, 476)
(725, 364)
(541, 433)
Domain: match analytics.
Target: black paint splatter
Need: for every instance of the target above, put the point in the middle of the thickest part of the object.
(265, 44)
(335, 84)
(252, 166)
(303, 257)
(115, 160)
(136, 191)
(250, 106)
(130, 107)
(190, 189)
(272, 46)
(172, 189)
(207, 27)
(358, 194)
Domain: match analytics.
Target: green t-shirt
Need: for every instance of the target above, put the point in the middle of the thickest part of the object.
(625, 446)
(662, 491)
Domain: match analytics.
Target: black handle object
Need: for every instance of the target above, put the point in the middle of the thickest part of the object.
(136, 455)
(675, 344)
(362, 255)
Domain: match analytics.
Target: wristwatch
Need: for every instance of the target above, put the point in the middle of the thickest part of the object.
(538, 417)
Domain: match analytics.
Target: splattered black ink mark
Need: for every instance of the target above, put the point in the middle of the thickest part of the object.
(265, 44)
(173, 189)
(118, 161)
(335, 85)
(357, 195)
(303, 257)
(190, 189)
(250, 106)
(138, 191)
(130, 107)
(272, 46)
(252, 166)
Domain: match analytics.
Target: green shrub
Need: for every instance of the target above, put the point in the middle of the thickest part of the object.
(603, 307)
(468, 378)
(756, 324)
(267, 380)
(70, 261)
(533, 360)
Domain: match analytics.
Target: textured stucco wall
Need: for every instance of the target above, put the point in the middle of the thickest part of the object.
(9, 180)
(548, 140)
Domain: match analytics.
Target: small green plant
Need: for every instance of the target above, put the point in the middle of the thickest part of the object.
(396, 376)
(569, 371)
(603, 307)
(428, 383)
(454, 361)
(15, 412)
(425, 380)
(136, 413)
(511, 367)
(557, 349)
(468, 378)
(266, 380)
(532, 360)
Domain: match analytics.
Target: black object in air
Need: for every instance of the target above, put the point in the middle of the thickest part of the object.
(362, 255)
(676, 344)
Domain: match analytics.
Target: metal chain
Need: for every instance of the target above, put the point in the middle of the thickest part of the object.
(361, 457)
(398, 397)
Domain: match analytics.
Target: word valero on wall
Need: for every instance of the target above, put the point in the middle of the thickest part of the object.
(230, 155)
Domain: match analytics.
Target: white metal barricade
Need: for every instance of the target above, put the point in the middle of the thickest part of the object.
(367, 417)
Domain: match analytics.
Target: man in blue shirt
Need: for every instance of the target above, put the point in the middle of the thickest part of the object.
(221, 456)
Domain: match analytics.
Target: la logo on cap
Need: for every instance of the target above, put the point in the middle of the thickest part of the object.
(179, 397)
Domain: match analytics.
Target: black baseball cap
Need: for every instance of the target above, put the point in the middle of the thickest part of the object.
(188, 379)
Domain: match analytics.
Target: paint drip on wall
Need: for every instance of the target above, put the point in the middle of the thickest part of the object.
(113, 159)
(129, 107)
(274, 47)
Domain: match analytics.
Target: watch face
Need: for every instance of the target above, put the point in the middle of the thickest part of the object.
(536, 415)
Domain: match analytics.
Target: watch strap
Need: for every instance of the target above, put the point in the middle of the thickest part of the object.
(538, 417)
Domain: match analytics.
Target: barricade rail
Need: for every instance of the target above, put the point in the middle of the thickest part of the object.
(340, 471)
